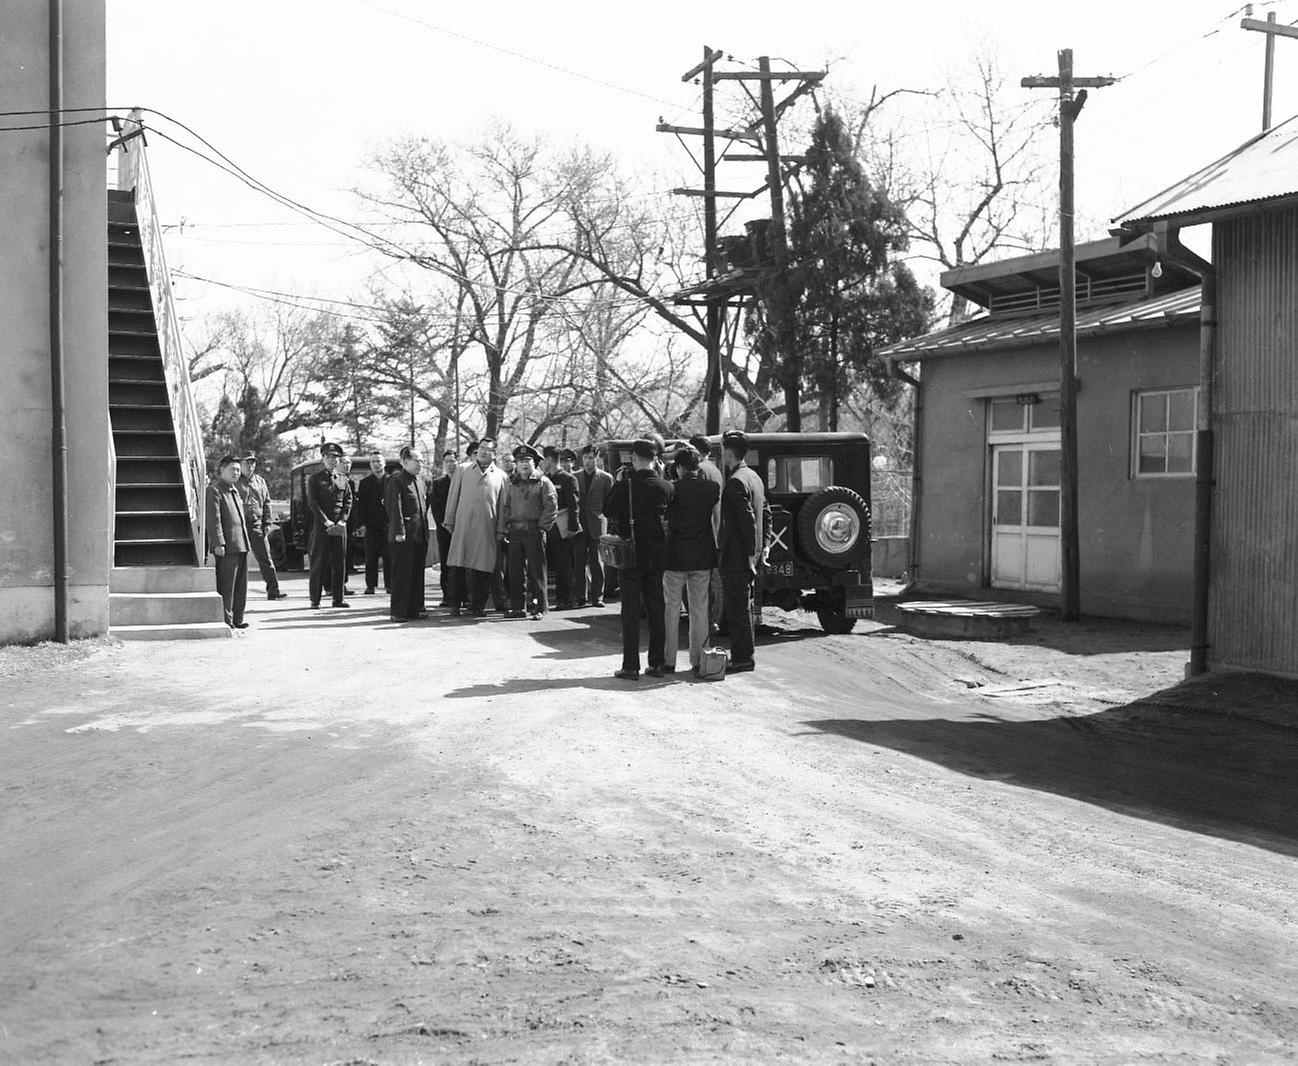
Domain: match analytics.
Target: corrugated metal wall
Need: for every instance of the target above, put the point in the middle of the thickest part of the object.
(1253, 620)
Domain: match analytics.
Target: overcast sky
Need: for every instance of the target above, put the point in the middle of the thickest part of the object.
(298, 91)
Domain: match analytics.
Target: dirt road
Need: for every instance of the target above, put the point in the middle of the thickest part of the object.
(338, 841)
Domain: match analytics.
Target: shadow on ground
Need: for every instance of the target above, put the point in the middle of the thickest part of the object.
(1210, 772)
(525, 685)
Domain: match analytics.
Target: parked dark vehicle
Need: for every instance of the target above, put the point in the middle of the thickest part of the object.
(289, 547)
(617, 454)
(818, 486)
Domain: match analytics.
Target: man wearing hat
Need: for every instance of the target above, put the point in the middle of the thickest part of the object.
(637, 508)
(256, 511)
(330, 502)
(745, 530)
(593, 487)
(560, 540)
(227, 533)
(527, 512)
(406, 498)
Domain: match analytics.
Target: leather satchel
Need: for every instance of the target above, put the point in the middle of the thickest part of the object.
(616, 551)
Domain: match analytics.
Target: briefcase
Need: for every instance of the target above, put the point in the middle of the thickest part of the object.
(616, 551)
(713, 663)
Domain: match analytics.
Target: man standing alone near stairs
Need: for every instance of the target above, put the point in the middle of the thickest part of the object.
(227, 530)
(256, 511)
(331, 504)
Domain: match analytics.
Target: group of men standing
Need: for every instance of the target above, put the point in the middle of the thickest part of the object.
(502, 525)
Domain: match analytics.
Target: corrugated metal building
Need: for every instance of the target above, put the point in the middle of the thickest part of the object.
(987, 427)
(1250, 197)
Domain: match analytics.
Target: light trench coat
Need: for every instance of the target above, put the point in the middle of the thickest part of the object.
(472, 507)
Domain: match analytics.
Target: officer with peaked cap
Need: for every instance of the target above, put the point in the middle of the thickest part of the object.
(331, 505)
(255, 492)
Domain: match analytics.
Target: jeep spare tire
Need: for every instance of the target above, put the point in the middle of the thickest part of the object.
(832, 526)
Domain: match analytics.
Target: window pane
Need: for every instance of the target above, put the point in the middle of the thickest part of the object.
(1180, 410)
(814, 474)
(1180, 453)
(1153, 412)
(1009, 468)
(772, 473)
(1045, 415)
(1007, 417)
(1043, 507)
(1009, 508)
(1153, 455)
(1043, 468)
(798, 473)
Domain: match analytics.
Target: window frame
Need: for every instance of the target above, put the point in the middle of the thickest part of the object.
(773, 465)
(1136, 436)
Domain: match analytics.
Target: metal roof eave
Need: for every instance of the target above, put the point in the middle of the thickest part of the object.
(1025, 340)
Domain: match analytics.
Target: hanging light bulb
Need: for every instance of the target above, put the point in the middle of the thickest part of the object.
(1158, 268)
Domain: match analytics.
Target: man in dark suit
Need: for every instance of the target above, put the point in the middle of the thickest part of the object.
(693, 519)
(227, 533)
(637, 508)
(329, 497)
(745, 530)
(371, 510)
(559, 540)
(593, 487)
(406, 500)
(709, 469)
(439, 492)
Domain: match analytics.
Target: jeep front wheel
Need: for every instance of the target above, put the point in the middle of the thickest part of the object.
(832, 526)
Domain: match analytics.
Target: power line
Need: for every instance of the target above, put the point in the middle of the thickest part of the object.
(518, 55)
(60, 125)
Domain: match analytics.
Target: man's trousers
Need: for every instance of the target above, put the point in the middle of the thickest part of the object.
(737, 589)
(527, 560)
(377, 549)
(232, 584)
(642, 590)
(675, 582)
(408, 565)
(261, 551)
(327, 563)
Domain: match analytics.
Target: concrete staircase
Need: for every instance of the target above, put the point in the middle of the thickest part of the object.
(164, 603)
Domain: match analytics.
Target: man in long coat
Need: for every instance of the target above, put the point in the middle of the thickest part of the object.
(371, 513)
(472, 508)
(593, 487)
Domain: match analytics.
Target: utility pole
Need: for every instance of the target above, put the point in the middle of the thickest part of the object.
(1069, 108)
(714, 312)
(1272, 29)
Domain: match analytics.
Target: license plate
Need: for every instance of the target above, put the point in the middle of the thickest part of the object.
(784, 569)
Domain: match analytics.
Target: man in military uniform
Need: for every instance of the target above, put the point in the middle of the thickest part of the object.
(637, 508)
(407, 499)
(227, 533)
(329, 498)
(527, 513)
(256, 511)
(439, 493)
(745, 531)
(372, 519)
(593, 487)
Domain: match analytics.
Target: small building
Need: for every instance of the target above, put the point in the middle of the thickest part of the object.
(1248, 605)
(987, 485)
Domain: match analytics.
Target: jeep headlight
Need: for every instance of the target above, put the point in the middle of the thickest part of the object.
(837, 528)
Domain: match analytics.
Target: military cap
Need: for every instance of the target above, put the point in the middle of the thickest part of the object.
(472, 449)
(526, 451)
(330, 448)
(567, 453)
(644, 449)
(590, 449)
(247, 457)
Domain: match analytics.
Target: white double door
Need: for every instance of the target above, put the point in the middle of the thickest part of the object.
(1025, 516)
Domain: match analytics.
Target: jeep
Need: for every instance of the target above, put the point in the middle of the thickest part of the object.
(818, 487)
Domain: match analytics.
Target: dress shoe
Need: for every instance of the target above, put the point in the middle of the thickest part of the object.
(741, 667)
(481, 612)
(369, 592)
(598, 603)
(421, 614)
(240, 625)
(457, 612)
(654, 671)
(536, 616)
(669, 669)
(563, 606)
(315, 607)
(343, 604)
(397, 618)
(277, 595)
(514, 616)
(627, 675)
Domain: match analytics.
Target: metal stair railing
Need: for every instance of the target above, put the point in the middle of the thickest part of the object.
(133, 176)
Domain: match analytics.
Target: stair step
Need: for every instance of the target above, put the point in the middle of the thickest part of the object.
(136, 444)
(126, 275)
(119, 240)
(164, 608)
(192, 631)
(148, 470)
(128, 553)
(162, 579)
